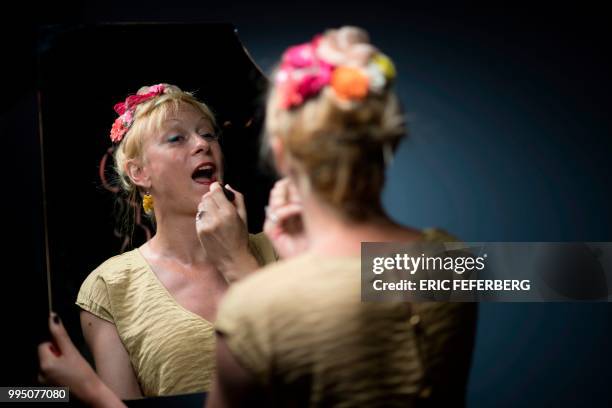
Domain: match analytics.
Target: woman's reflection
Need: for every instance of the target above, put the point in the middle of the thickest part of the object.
(147, 313)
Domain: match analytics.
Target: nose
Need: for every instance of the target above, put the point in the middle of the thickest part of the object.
(200, 144)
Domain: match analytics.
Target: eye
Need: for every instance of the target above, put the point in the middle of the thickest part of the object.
(175, 138)
(209, 136)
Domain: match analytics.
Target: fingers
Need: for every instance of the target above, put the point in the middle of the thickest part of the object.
(239, 203)
(59, 334)
(284, 202)
(46, 358)
(279, 193)
(207, 204)
(238, 197)
(44, 352)
(286, 212)
(217, 197)
(286, 219)
(215, 186)
(216, 200)
(288, 216)
(293, 193)
(229, 194)
(283, 192)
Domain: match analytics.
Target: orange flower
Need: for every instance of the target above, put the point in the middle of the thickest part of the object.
(349, 83)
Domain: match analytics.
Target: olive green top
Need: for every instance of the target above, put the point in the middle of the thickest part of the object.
(171, 348)
(299, 326)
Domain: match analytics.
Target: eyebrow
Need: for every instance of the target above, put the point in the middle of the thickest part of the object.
(202, 118)
(172, 127)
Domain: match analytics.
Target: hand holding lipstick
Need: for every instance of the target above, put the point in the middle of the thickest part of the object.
(221, 224)
(229, 194)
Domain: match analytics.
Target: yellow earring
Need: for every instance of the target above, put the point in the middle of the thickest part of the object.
(147, 203)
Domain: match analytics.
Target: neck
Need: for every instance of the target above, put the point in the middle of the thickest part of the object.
(176, 238)
(332, 233)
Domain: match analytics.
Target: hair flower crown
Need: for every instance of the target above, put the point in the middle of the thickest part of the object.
(343, 59)
(126, 110)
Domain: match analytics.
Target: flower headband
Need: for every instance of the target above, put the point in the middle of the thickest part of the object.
(126, 111)
(343, 59)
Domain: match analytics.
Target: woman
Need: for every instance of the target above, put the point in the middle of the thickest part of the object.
(146, 314)
(296, 333)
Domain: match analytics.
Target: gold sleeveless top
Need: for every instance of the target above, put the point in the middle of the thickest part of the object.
(300, 328)
(171, 348)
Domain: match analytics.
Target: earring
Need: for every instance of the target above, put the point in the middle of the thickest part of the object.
(147, 203)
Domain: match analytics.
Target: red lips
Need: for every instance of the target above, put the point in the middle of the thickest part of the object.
(204, 173)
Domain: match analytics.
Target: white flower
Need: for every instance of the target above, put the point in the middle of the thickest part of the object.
(376, 77)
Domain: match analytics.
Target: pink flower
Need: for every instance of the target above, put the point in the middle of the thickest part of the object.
(120, 108)
(118, 130)
(315, 79)
(128, 117)
(157, 89)
(299, 56)
(297, 85)
(126, 109)
(301, 74)
(288, 89)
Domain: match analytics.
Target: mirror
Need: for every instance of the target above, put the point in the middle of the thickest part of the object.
(84, 71)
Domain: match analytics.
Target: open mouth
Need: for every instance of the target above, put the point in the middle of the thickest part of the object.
(204, 174)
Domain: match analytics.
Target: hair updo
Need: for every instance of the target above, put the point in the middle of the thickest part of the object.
(339, 136)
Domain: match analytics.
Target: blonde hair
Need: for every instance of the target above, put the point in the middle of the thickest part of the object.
(149, 118)
(340, 145)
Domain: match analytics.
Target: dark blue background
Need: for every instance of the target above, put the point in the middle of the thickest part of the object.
(509, 123)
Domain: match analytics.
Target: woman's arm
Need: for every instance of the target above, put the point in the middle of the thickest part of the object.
(61, 364)
(112, 360)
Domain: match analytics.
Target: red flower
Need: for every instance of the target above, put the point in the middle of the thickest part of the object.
(126, 111)
(118, 130)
